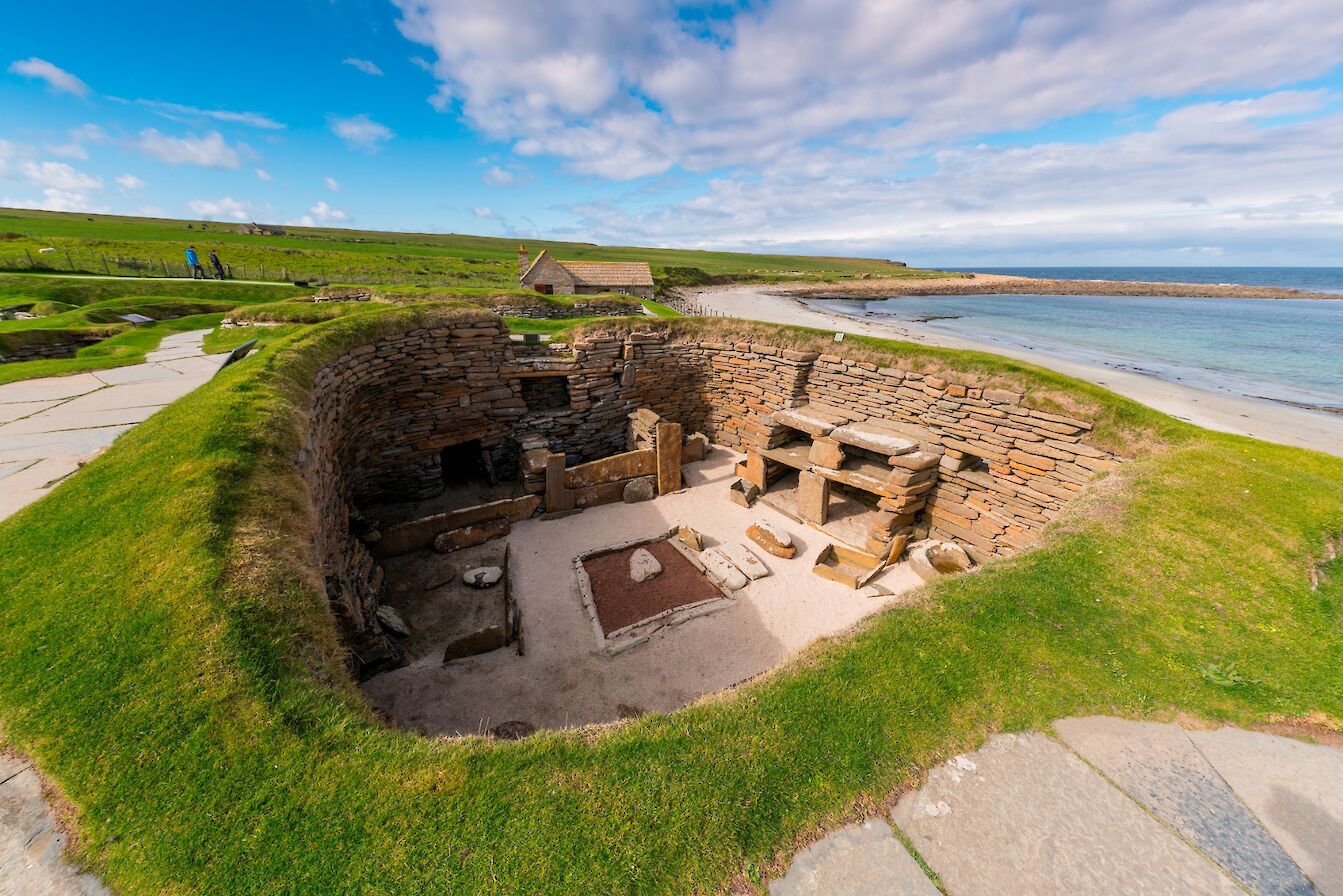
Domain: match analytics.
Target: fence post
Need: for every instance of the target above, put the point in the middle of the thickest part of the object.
(262, 275)
(31, 263)
(105, 270)
(165, 266)
(68, 260)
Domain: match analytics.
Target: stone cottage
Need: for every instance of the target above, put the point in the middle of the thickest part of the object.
(549, 275)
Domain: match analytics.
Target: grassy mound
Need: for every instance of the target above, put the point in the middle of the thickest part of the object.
(168, 659)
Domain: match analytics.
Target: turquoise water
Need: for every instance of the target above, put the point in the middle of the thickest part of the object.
(1283, 349)
(1310, 279)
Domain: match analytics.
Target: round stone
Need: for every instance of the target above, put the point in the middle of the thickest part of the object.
(483, 576)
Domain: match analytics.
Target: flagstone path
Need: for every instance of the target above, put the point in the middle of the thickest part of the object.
(1108, 807)
(50, 426)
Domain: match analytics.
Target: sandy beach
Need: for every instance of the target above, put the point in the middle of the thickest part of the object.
(1267, 420)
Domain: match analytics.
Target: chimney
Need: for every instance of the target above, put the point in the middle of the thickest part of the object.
(524, 261)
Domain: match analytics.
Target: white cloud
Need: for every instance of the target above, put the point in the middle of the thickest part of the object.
(360, 132)
(421, 63)
(497, 177)
(60, 176)
(324, 212)
(69, 151)
(332, 184)
(364, 65)
(321, 214)
(209, 151)
(1245, 184)
(194, 115)
(58, 79)
(88, 133)
(264, 174)
(484, 212)
(56, 200)
(620, 88)
(130, 184)
(225, 208)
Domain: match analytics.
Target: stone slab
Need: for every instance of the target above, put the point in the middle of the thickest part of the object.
(202, 367)
(1294, 788)
(1024, 815)
(71, 443)
(1159, 766)
(136, 373)
(874, 438)
(815, 419)
(860, 860)
(133, 395)
(10, 467)
(31, 844)
(19, 409)
(61, 418)
(53, 388)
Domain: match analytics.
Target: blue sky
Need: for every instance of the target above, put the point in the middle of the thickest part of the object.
(993, 132)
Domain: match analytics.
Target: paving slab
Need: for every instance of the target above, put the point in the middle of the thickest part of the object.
(70, 442)
(52, 388)
(1295, 789)
(65, 418)
(10, 467)
(132, 395)
(31, 844)
(136, 373)
(1159, 766)
(19, 409)
(201, 367)
(1024, 815)
(860, 860)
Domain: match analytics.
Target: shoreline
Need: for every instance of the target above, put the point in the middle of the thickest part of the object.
(1009, 284)
(1268, 419)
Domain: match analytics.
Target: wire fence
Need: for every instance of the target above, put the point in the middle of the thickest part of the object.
(689, 306)
(62, 261)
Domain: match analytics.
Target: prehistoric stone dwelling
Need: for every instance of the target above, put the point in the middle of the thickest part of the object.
(495, 431)
(549, 275)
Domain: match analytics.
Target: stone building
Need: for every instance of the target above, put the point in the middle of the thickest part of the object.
(549, 275)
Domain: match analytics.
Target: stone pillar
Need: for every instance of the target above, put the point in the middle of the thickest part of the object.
(813, 497)
(557, 496)
(524, 261)
(668, 457)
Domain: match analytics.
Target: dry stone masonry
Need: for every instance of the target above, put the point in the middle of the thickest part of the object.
(940, 459)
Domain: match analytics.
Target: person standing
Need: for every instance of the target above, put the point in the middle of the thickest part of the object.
(214, 263)
(194, 263)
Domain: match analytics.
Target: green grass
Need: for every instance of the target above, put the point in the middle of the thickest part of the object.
(129, 346)
(660, 309)
(16, 289)
(168, 662)
(441, 260)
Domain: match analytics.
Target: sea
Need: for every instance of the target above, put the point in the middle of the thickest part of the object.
(1310, 279)
(1284, 350)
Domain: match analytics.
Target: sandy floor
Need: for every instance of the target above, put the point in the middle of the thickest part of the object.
(1265, 420)
(565, 680)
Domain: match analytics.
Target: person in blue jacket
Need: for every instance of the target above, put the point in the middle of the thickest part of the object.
(194, 262)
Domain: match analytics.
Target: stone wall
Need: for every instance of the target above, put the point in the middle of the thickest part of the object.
(36, 351)
(384, 411)
(543, 310)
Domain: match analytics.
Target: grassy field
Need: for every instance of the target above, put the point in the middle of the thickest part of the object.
(357, 256)
(170, 663)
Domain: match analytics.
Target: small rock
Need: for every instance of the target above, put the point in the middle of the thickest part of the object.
(722, 570)
(644, 566)
(743, 492)
(483, 576)
(773, 539)
(392, 621)
(747, 562)
(948, 557)
(514, 730)
(637, 490)
(690, 538)
(875, 590)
